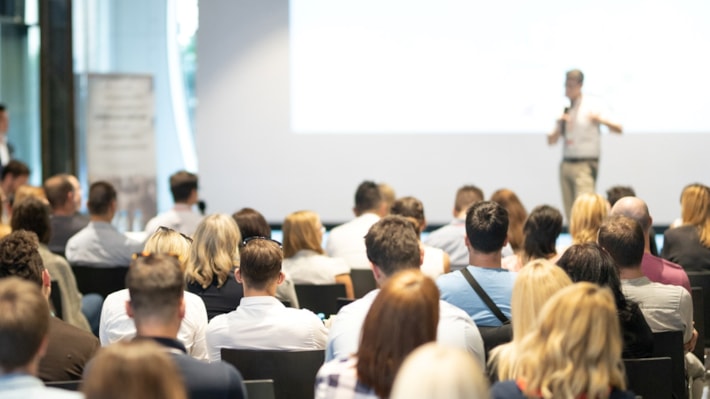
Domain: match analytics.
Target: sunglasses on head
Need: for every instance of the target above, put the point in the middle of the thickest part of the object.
(253, 238)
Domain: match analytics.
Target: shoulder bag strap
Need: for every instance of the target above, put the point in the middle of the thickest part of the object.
(486, 299)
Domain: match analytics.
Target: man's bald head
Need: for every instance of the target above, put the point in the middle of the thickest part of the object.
(634, 208)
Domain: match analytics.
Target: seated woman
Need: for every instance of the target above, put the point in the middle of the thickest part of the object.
(590, 262)
(305, 261)
(436, 262)
(516, 216)
(210, 266)
(403, 316)
(588, 212)
(689, 244)
(540, 231)
(574, 351)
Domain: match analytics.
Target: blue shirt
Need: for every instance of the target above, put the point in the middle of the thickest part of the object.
(24, 386)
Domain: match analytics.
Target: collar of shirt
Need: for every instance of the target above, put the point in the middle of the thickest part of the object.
(265, 301)
(172, 344)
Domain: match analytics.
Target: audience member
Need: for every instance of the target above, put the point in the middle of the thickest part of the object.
(6, 148)
(346, 241)
(214, 256)
(14, 174)
(388, 195)
(133, 370)
(689, 244)
(64, 196)
(486, 234)
(116, 325)
(33, 215)
(24, 331)
(305, 261)
(616, 193)
(590, 262)
(436, 262)
(393, 245)
(450, 237)
(26, 191)
(438, 371)
(261, 321)
(516, 216)
(69, 348)
(182, 217)
(402, 317)
(100, 244)
(540, 232)
(655, 268)
(158, 307)
(588, 212)
(536, 283)
(574, 351)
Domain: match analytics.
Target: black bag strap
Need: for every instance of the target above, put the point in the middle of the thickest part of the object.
(486, 299)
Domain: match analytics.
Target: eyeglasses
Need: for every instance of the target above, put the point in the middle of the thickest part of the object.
(169, 230)
(146, 254)
(253, 238)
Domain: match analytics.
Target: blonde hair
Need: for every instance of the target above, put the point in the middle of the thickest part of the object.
(133, 370)
(214, 252)
(537, 281)
(301, 230)
(695, 209)
(516, 216)
(437, 371)
(171, 242)
(24, 192)
(575, 349)
(588, 212)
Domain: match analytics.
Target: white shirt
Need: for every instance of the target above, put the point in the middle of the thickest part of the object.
(347, 241)
(455, 329)
(262, 322)
(310, 267)
(99, 244)
(116, 326)
(181, 218)
(433, 264)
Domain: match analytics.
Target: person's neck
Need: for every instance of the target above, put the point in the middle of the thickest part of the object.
(487, 260)
(64, 211)
(628, 273)
(647, 245)
(574, 101)
(101, 218)
(268, 290)
(157, 329)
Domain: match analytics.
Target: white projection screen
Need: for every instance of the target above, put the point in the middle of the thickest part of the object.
(301, 101)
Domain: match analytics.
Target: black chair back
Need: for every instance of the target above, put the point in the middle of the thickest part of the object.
(702, 280)
(55, 297)
(363, 281)
(66, 385)
(699, 319)
(260, 389)
(670, 344)
(650, 378)
(100, 280)
(293, 373)
(320, 298)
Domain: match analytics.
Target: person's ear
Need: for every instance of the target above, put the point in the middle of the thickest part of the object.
(281, 279)
(46, 283)
(238, 275)
(129, 309)
(181, 310)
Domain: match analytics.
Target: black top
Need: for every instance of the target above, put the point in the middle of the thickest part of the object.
(68, 351)
(682, 245)
(63, 227)
(510, 390)
(638, 337)
(219, 300)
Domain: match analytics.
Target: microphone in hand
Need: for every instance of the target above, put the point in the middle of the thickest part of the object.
(563, 121)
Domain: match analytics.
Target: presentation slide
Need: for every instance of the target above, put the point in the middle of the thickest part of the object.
(461, 66)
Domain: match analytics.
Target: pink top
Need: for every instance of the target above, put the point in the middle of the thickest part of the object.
(664, 271)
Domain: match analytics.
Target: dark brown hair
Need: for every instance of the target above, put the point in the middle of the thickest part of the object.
(624, 239)
(392, 244)
(251, 223)
(101, 194)
(260, 262)
(19, 256)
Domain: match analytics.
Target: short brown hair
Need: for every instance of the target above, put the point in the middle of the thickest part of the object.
(101, 194)
(156, 284)
(368, 197)
(393, 244)
(24, 322)
(251, 223)
(15, 168)
(410, 207)
(487, 226)
(467, 196)
(19, 256)
(261, 260)
(624, 239)
(182, 184)
(32, 214)
(57, 188)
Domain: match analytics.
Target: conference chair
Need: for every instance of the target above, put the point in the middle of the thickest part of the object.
(293, 373)
(55, 297)
(66, 385)
(100, 280)
(699, 319)
(650, 378)
(260, 389)
(702, 279)
(670, 344)
(320, 298)
(363, 281)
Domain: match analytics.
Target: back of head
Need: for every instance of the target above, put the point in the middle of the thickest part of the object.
(25, 191)
(19, 257)
(101, 195)
(635, 208)
(24, 323)
(252, 223)
(695, 209)
(467, 196)
(57, 189)
(388, 194)
(393, 244)
(487, 226)
(616, 193)
(624, 239)
(368, 198)
(155, 283)
(576, 75)
(410, 207)
(182, 185)
(403, 316)
(302, 230)
(32, 215)
(438, 371)
(171, 242)
(588, 212)
(575, 349)
(214, 252)
(261, 260)
(541, 230)
(15, 169)
(138, 369)
(516, 215)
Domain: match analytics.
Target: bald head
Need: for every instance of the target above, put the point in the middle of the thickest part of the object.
(634, 208)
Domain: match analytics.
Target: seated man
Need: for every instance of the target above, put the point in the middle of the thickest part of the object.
(69, 348)
(393, 245)
(64, 196)
(14, 174)
(183, 187)
(261, 321)
(486, 234)
(100, 244)
(157, 305)
(24, 330)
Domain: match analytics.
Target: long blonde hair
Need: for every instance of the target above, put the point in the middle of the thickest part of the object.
(695, 209)
(170, 242)
(575, 348)
(588, 212)
(537, 281)
(302, 230)
(214, 252)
